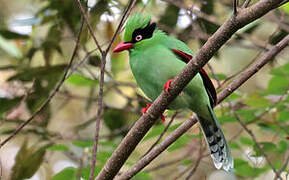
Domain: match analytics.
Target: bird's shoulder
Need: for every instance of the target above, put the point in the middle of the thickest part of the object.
(173, 43)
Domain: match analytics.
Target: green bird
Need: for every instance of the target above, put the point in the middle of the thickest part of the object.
(155, 59)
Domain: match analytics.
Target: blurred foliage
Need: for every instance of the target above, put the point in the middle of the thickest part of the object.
(33, 60)
(27, 161)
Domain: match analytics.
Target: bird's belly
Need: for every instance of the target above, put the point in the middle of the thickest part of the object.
(151, 81)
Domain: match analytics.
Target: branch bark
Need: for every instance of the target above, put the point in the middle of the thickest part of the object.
(243, 77)
(141, 127)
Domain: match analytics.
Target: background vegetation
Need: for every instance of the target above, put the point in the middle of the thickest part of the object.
(37, 40)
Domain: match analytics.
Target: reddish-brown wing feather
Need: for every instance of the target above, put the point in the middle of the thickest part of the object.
(211, 91)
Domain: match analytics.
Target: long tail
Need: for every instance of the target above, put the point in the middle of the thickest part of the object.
(216, 141)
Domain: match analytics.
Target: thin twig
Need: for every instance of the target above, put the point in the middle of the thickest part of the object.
(246, 3)
(197, 163)
(84, 15)
(236, 2)
(282, 3)
(165, 164)
(47, 101)
(258, 145)
(194, 165)
(283, 167)
(101, 84)
(163, 133)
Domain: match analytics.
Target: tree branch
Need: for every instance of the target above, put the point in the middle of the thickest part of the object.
(141, 127)
(243, 77)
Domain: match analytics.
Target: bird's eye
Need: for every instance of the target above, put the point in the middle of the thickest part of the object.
(138, 37)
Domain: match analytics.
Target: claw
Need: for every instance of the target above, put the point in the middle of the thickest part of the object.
(167, 85)
(144, 110)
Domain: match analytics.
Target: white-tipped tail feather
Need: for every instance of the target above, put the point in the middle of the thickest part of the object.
(217, 143)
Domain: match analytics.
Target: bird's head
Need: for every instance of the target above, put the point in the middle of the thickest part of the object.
(137, 28)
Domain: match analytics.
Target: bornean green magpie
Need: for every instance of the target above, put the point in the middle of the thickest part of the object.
(155, 59)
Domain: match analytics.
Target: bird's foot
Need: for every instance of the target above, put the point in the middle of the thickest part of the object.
(167, 85)
(144, 110)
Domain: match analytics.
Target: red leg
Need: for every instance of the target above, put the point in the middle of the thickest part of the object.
(163, 118)
(144, 110)
(167, 85)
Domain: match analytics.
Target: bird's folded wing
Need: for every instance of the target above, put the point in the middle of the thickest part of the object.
(211, 91)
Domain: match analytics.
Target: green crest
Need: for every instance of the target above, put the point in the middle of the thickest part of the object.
(135, 22)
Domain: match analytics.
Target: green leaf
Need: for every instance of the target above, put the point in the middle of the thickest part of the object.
(108, 143)
(234, 96)
(234, 145)
(272, 127)
(58, 147)
(83, 144)
(94, 60)
(283, 145)
(142, 176)
(278, 37)
(110, 116)
(249, 28)
(47, 73)
(226, 119)
(28, 161)
(174, 127)
(283, 116)
(156, 131)
(45, 79)
(12, 35)
(180, 143)
(281, 71)
(285, 8)
(103, 156)
(247, 114)
(247, 141)
(219, 76)
(7, 104)
(79, 80)
(266, 146)
(187, 162)
(67, 173)
(85, 172)
(170, 17)
(10, 47)
(278, 85)
(257, 101)
(244, 169)
(208, 6)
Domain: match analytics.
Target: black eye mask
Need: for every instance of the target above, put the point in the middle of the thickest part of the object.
(143, 33)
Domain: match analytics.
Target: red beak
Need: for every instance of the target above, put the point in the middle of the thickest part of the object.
(122, 46)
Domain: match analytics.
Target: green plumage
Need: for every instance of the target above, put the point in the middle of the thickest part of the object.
(153, 63)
